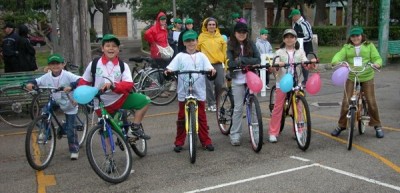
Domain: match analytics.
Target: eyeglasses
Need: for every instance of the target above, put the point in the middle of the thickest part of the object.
(212, 24)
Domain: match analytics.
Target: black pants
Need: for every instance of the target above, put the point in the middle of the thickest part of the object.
(10, 64)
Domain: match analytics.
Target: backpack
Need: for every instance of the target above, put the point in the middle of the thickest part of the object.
(93, 68)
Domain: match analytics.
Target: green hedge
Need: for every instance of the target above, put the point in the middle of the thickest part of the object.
(334, 36)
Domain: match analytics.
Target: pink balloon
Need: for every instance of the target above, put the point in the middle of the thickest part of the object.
(314, 83)
(340, 76)
(253, 82)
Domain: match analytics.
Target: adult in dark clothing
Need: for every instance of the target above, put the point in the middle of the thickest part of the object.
(9, 48)
(27, 60)
(303, 30)
(188, 26)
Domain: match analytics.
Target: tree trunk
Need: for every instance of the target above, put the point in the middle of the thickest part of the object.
(257, 18)
(107, 28)
(54, 31)
(349, 16)
(279, 12)
(74, 32)
(320, 14)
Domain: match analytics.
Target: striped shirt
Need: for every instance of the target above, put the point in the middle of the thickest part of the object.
(303, 29)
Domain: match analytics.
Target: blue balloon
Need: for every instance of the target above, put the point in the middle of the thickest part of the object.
(286, 83)
(84, 94)
(225, 38)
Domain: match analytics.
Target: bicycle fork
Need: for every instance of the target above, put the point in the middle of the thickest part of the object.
(187, 117)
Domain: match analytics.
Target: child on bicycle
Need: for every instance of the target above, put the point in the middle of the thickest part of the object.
(289, 52)
(241, 51)
(191, 59)
(359, 50)
(117, 93)
(57, 77)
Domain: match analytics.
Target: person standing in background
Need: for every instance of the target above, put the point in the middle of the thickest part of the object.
(173, 35)
(188, 26)
(304, 31)
(214, 47)
(27, 59)
(264, 47)
(9, 50)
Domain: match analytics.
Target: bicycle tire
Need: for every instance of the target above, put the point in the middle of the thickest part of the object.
(272, 97)
(106, 162)
(35, 106)
(81, 124)
(285, 113)
(225, 105)
(362, 113)
(157, 87)
(40, 143)
(302, 120)
(138, 145)
(255, 125)
(350, 126)
(15, 106)
(192, 134)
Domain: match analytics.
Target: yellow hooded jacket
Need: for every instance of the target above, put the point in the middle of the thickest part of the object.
(212, 44)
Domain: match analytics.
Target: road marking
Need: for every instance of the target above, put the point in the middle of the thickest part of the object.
(44, 181)
(251, 179)
(370, 180)
(300, 158)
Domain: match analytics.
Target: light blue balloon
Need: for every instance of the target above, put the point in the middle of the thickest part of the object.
(84, 94)
(286, 83)
(225, 38)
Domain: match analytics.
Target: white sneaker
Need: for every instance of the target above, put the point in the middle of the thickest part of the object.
(74, 156)
(173, 86)
(212, 108)
(267, 87)
(272, 139)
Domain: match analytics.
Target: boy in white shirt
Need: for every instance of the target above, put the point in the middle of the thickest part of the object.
(57, 77)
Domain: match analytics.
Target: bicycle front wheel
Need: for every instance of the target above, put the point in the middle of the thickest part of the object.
(192, 134)
(15, 106)
(82, 123)
(108, 154)
(362, 115)
(255, 124)
(224, 112)
(302, 122)
(160, 90)
(40, 143)
(350, 125)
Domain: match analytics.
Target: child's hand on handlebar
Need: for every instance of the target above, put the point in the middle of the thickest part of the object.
(29, 86)
(106, 86)
(376, 66)
(67, 89)
(213, 71)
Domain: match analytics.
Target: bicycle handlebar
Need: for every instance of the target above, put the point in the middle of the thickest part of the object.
(353, 69)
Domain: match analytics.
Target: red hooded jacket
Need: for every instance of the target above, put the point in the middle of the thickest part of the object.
(157, 35)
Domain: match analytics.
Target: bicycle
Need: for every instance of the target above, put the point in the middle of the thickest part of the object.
(151, 81)
(40, 141)
(225, 106)
(107, 145)
(296, 107)
(191, 110)
(357, 110)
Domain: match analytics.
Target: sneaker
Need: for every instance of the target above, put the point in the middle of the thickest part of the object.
(173, 86)
(336, 132)
(178, 148)
(209, 147)
(272, 139)
(40, 138)
(74, 156)
(267, 87)
(137, 130)
(235, 143)
(379, 132)
(212, 108)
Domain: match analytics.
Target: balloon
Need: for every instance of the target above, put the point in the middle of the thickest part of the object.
(286, 83)
(253, 82)
(84, 94)
(340, 76)
(313, 85)
(225, 38)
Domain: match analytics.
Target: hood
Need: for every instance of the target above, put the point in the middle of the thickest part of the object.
(158, 24)
(23, 30)
(204, 25)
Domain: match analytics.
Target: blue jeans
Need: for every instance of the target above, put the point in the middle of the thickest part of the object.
(70, 130)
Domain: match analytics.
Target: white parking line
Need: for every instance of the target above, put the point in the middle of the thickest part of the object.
(295, 169)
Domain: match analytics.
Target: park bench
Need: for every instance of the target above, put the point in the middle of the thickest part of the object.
(394, 47)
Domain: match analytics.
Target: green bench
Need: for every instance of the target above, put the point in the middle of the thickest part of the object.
(394, 47)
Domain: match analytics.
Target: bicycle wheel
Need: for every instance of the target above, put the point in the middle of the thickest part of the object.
(362, 114)
(224, 112)
(272, 97)
(82, 123)
(159, 89)
(40, 143)
(15, 106)
(108, 154)
(350, 125)
(255, 124)
(192, 132)
(139, 145)
(302, 122)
